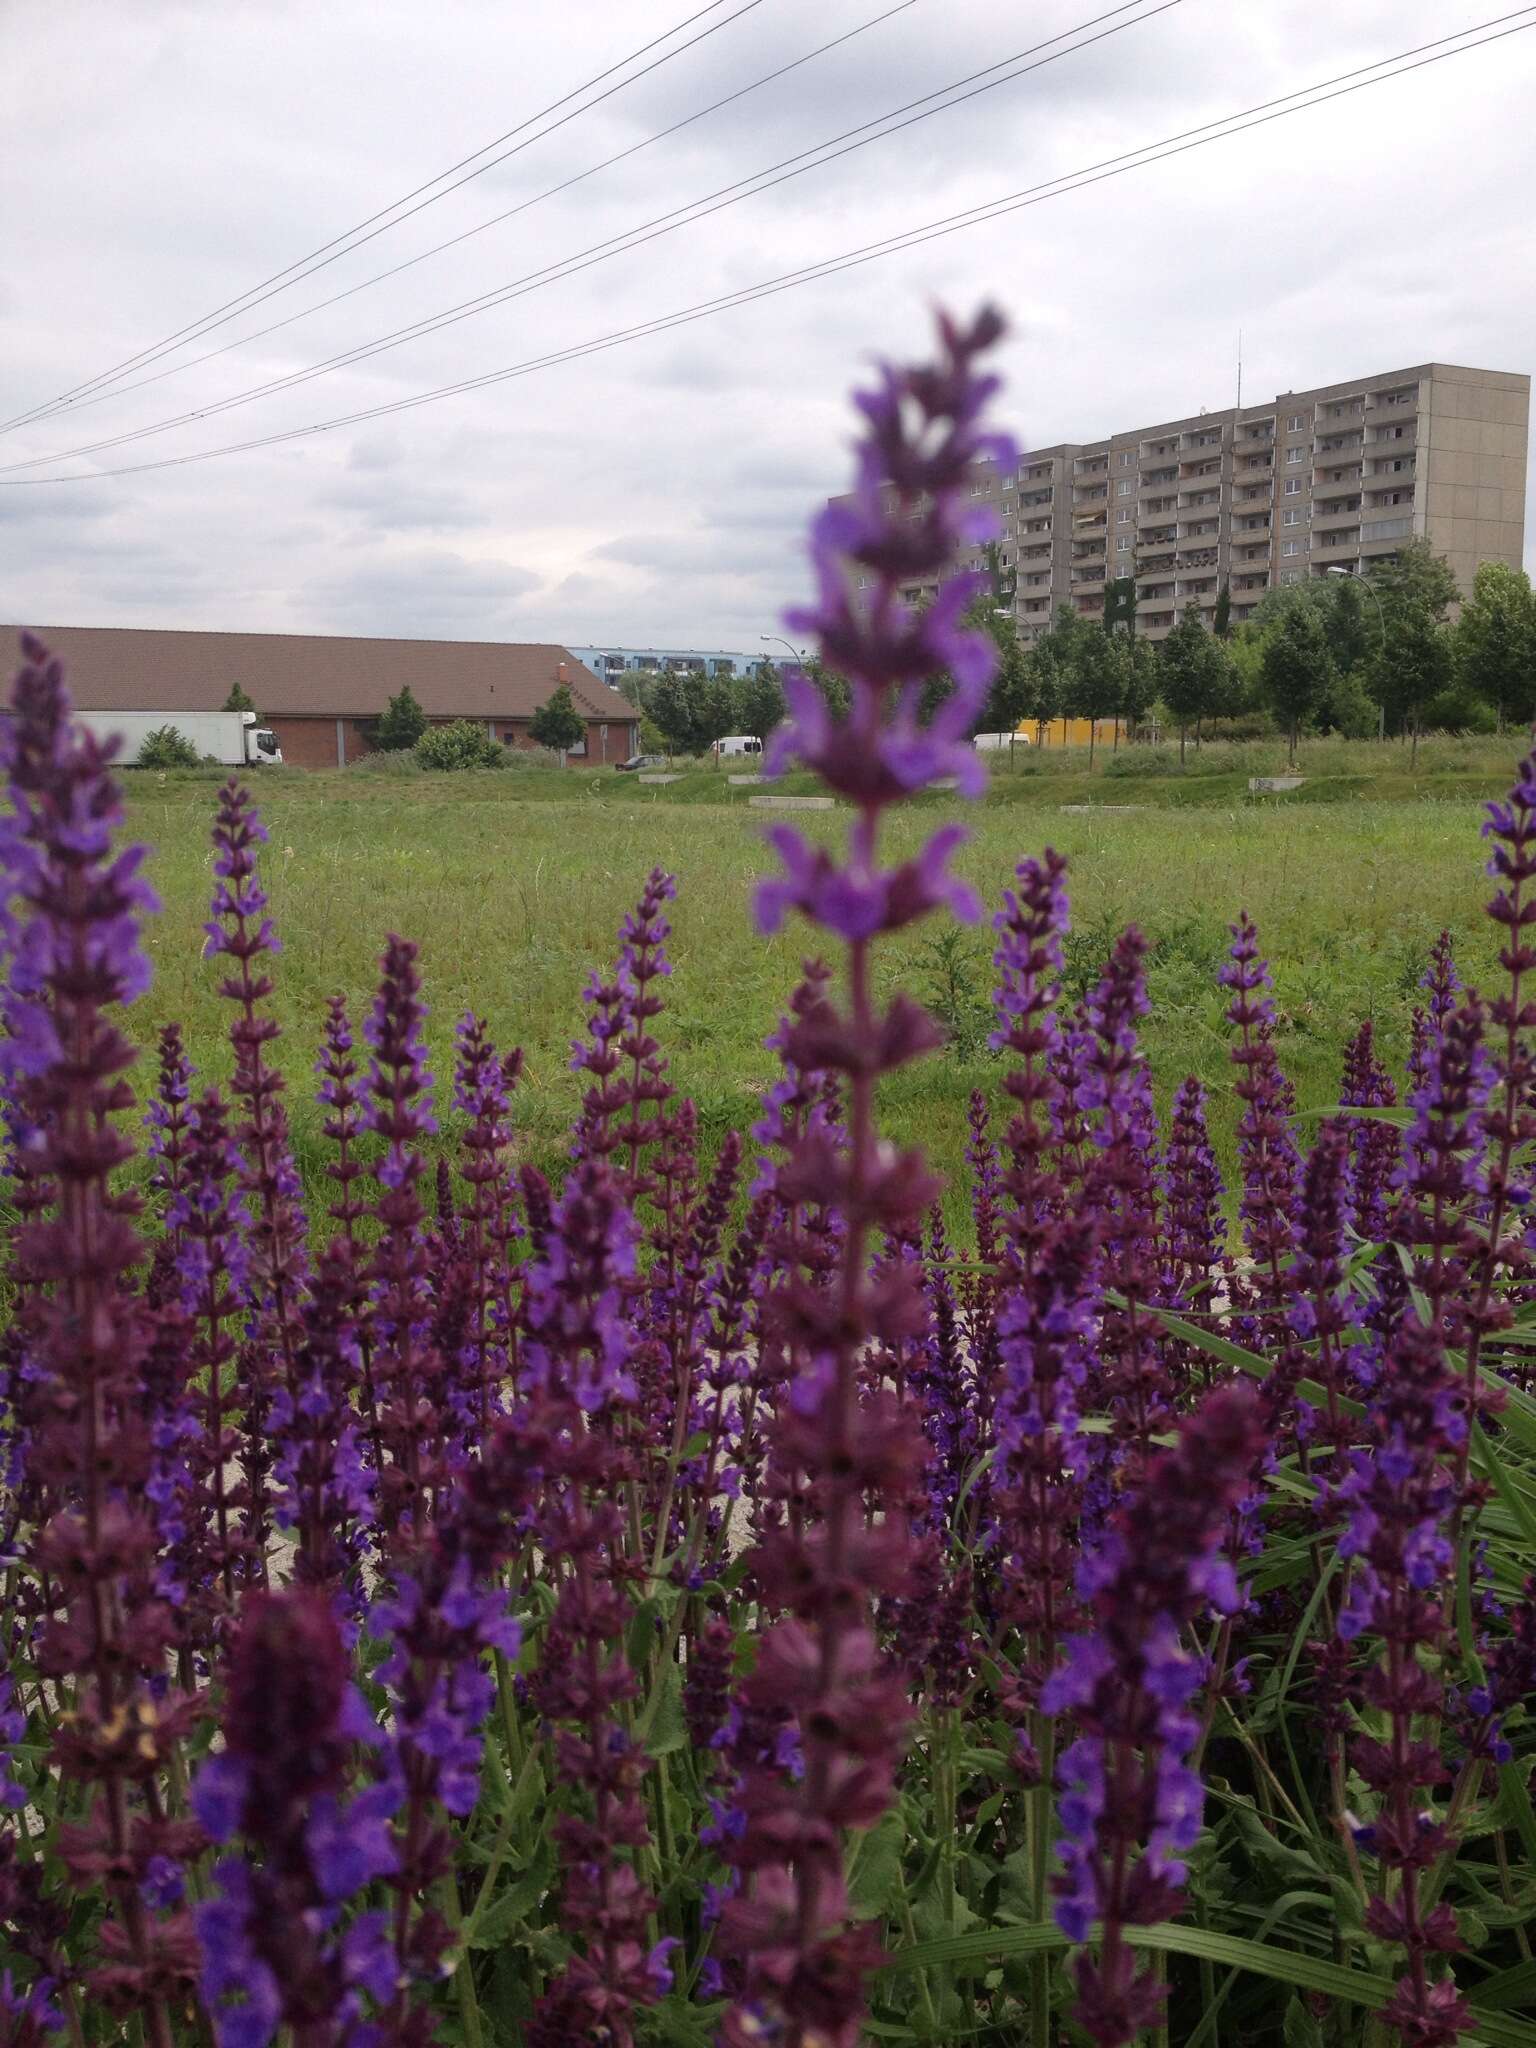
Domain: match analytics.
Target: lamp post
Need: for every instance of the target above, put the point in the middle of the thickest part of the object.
(779, 641)
(1338, 569)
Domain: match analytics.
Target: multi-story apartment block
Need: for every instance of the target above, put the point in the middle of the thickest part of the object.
(1262, 495)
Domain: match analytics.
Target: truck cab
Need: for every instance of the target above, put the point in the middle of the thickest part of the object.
(261, 746)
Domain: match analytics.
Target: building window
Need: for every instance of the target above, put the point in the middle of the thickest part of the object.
(1124, 488)
(979, 489)
(1123, 518)
(1121, 546)
(1293, 487)
(1291, 519)
(1291, 547)
(1290, 575)
(1295, 423)
(1291, 455)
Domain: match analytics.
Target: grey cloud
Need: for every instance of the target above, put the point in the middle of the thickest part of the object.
(659, 491)
(420, 593)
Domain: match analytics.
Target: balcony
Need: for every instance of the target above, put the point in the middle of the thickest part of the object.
(1337, 483)
(1249, 467)
(1337, 547)
(1033, 498)
(1346, 513)
(1253, 434)
(1242, 585)
(1338, 445)
(1254, 522)
(1395, 438)
(1376, 412)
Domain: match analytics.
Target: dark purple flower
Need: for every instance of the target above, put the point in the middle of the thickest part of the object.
(294, 1726)
(1131, 1805)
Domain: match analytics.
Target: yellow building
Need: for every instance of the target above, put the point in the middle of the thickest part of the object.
(1072, 732)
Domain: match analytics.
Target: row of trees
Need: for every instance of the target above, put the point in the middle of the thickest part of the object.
(688, 711)
(1332, 654)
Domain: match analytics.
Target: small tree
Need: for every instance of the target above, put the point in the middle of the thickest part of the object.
(1053, 660)
(1009, 698)
(1099, 679)
(165, 747)
(1192, 668)
(1141, 679)
(1415, 665)
(760, 700)
(558, 723)
(1221, 625)
(1296, 670)
(672, 703)
(237, 700)
(401, 723)
(1496, 641)
(1350, 632)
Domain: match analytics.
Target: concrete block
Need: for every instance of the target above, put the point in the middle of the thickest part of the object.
(1274, 785)
(790, 803)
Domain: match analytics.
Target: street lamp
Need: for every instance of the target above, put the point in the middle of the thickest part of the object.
(779, 641)
(1338, 569)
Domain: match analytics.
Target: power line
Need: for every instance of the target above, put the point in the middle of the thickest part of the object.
(495, 220)
(750, 187)
(270, 286)
(1258, 116)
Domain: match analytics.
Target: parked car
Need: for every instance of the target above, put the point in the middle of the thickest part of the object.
(637, 761)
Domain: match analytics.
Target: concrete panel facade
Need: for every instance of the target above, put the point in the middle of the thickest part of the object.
(1272, 493)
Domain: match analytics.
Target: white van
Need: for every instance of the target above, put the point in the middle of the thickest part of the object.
(738, 743)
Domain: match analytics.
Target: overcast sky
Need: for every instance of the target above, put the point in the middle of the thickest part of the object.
(161, 159)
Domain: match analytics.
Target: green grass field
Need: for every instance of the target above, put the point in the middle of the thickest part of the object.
(514, 884)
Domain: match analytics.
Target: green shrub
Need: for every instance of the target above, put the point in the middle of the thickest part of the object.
(165, 747)
(464, 744)
(1348, 708)
(1458, 710)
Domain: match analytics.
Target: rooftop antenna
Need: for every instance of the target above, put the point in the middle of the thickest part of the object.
(1239, 369)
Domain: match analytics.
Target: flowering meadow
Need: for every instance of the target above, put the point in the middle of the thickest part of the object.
(731, 1607)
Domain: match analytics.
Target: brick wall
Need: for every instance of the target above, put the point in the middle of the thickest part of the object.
(311, 742)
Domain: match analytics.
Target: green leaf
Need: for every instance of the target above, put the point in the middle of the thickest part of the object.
(1376, 1113)
(668, 1729)
(1301, 2030)
(1284, 1965)
(1515, 1986)
(509, 1908)
(1513, 1500)
(876, 1871)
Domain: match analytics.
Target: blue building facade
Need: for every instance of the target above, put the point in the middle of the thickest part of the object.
(613, 663)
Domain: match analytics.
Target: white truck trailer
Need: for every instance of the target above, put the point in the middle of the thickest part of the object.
(235, 738)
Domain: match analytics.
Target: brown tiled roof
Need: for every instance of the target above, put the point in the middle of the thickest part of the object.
(134, 668)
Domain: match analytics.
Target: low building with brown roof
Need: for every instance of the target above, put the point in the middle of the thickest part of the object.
(321, 692)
